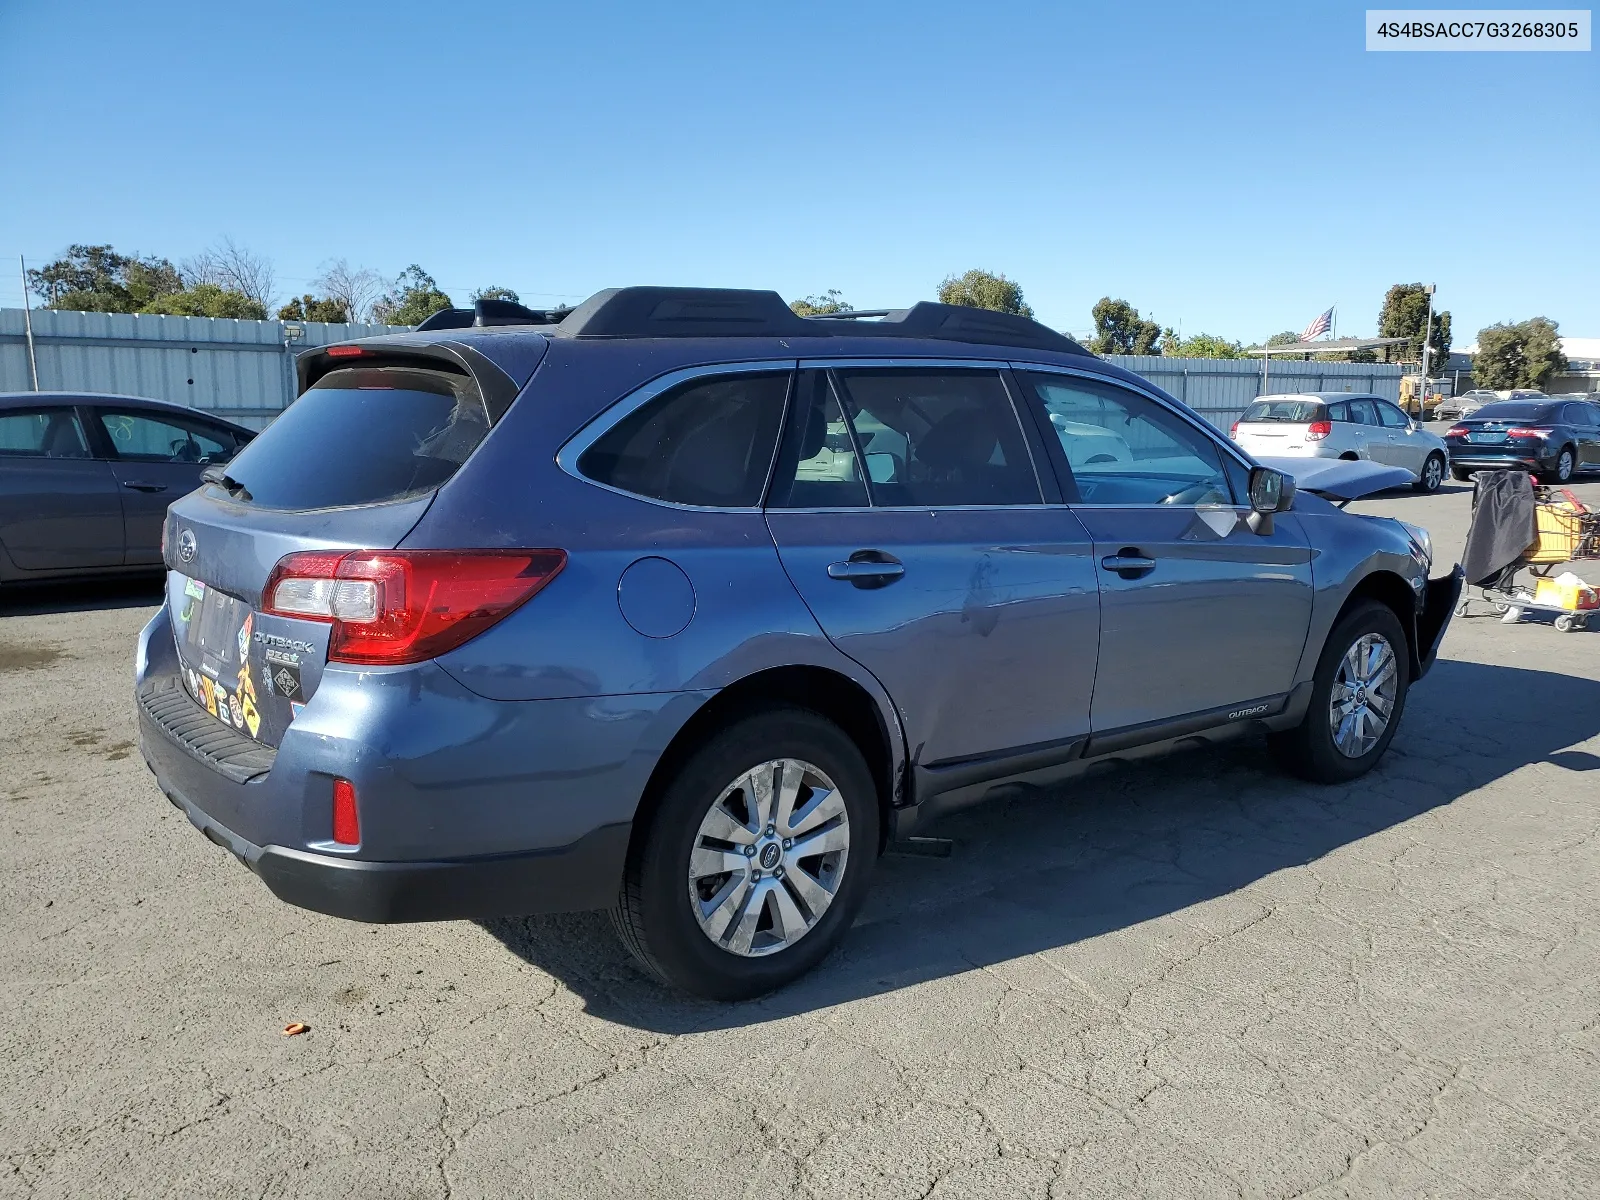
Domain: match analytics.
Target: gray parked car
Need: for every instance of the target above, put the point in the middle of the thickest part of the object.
(85, 479)
(686, 606)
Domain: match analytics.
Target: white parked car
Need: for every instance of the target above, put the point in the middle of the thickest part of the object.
(1342, 425)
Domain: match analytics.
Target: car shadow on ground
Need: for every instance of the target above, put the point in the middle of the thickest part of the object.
(1111, 850)
(80, 595)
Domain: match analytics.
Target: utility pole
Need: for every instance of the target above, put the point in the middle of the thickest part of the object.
(27, 320)
(1427, 339)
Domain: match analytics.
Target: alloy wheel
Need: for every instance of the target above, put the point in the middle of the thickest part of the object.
(1432, 474)
(768, 858)
(1363, 695)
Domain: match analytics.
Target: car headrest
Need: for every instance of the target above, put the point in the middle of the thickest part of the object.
(965, 438)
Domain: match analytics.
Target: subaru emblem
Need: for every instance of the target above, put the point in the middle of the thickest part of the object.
(187, 546)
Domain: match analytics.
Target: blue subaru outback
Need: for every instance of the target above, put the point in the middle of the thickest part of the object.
(684, 606)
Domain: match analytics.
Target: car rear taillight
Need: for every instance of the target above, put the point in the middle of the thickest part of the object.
(1233, 431)
(346, 820)
(1318, 430)
(1456, 431)
(345, 351)
(1527, 433)
(405, 606)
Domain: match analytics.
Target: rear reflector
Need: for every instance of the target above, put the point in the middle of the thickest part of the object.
(346, 821)
(389, 607)
(1318, 430)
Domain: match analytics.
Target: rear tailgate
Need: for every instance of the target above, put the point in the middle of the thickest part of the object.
(1271, 437)
(352, 465)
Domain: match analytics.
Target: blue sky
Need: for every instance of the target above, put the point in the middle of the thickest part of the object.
(1235, 168)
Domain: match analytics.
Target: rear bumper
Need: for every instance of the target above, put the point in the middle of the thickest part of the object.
(585, 875)
(1475, 461)
(468, 807)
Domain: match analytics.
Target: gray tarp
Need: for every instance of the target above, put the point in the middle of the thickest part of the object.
(1503, 524)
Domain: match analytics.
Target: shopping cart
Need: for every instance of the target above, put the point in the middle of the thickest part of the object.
(1565, 530)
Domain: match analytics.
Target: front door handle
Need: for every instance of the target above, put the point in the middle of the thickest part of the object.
(1128, 563)
(140, 485)
(868, 569)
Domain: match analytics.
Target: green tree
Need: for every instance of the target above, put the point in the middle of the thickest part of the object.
(1205, 345)
(1523, 355)
(315, 308)
(981, 289)
(1119, 329)
(496, 293)
(821, 306)
(98, 279)
(208, 300)
(1287, 338)
(1405, 314)
(412, 298)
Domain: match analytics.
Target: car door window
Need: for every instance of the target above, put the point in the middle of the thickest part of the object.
(818, 466)
(1339, 412)
(1123, 448)
(144, 437)
(708, 443)
(1392, 417)
(1363, 412)
(42, 433)
(937, 438)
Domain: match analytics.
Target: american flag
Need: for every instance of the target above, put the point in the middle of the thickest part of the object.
(1318, 327)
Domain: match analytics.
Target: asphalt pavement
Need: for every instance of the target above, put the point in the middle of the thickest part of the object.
(1187, 978)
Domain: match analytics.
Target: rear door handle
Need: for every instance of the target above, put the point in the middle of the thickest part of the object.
(868, 569)
(1128, 563)
(140, 485)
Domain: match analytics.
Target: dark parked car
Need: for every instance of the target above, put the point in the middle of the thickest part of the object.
(85, 480)
(685, 606)
(1552, 439)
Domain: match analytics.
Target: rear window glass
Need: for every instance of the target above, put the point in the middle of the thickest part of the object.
(1296, 412)
(708, 443)
(1515, 410)
(363, 436)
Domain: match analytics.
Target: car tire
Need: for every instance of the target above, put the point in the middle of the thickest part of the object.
(1312, 750)
(1432, 474)
(1460, 474)
(662, 911)
(1561, 470)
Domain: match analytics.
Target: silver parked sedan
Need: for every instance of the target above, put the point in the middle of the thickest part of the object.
(1342, 425)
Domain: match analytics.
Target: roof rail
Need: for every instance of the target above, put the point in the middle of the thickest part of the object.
(493, 312)
(655, 312)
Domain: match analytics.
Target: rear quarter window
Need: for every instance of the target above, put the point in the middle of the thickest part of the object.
(364, 435)
(707, 443)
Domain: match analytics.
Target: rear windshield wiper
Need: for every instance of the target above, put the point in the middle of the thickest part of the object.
(219, 476)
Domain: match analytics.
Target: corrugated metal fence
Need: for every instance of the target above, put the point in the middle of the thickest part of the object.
(241, 370)
(244, 370)
(1219, 389)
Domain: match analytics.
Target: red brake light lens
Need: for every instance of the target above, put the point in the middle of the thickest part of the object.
(346, 821)
(345, 351)
(1318, 430)
(389, 607)
(1456, 431)
(1233, 431)
(1527, 433)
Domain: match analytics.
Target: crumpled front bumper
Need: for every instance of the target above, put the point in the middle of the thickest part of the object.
(1438, 606)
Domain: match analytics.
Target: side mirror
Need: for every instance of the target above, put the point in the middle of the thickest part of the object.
(1270, 492)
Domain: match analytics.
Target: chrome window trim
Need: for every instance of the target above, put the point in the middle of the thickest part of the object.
(1227, 444)
(997, 365)
(602, 423)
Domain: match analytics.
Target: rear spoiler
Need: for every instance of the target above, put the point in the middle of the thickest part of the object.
(497, 387)
(1340, 479)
